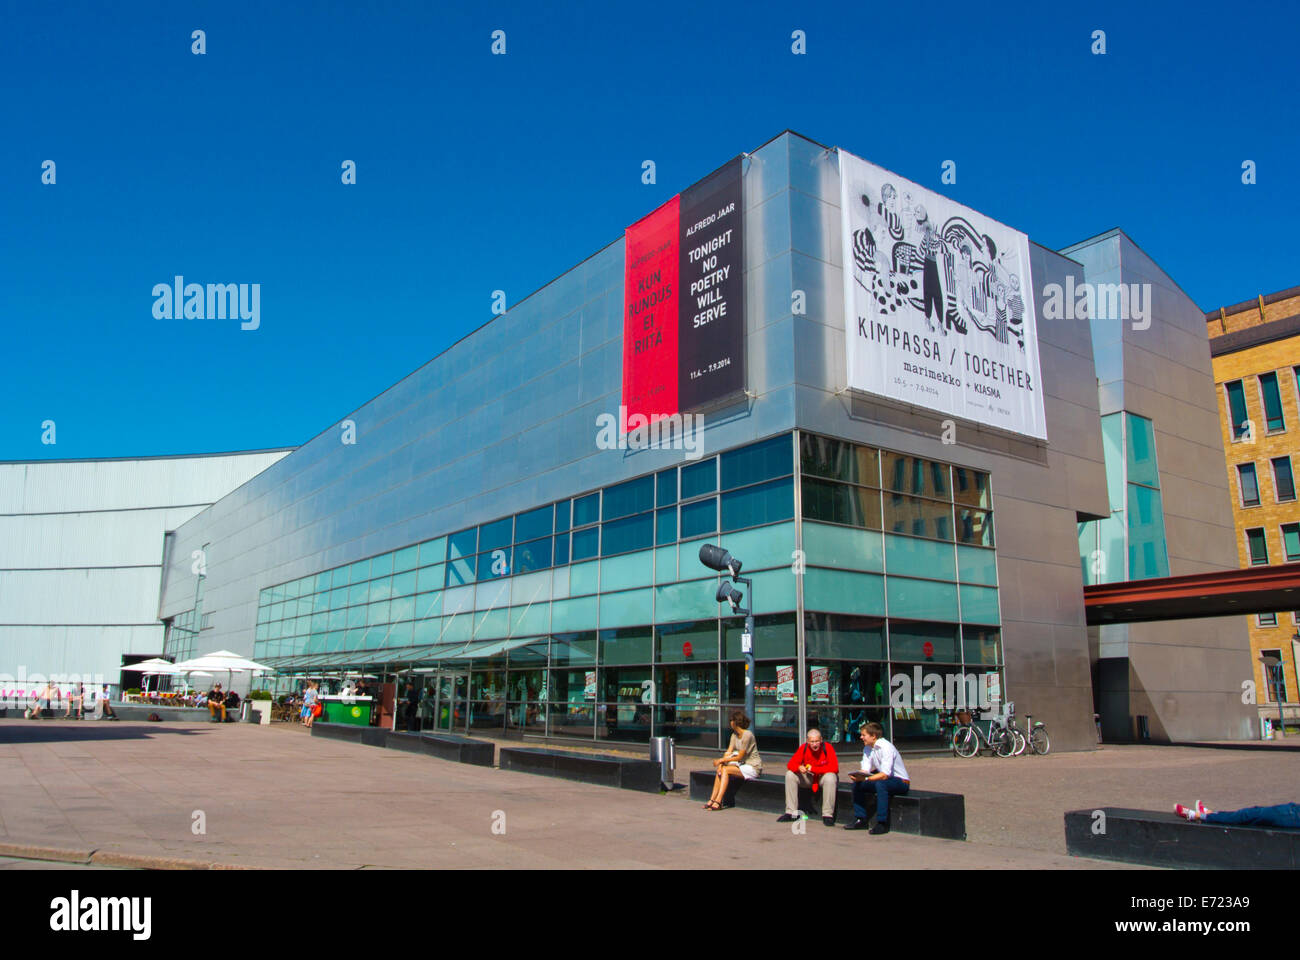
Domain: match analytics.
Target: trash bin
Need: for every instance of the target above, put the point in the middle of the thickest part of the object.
(663, 751)
(246, 711)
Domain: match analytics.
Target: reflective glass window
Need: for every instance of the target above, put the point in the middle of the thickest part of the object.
(975, 527)
(534, 555)
(700, 478)
(495, 534)
(971, 487)
(407, 558)
(841, 503)
(1142, 452)
(463, 544)
(919, 518)
(630, 533)
(586, 544)
(756, 462)
(534, 524)
(586, 509)
(666, 487)
(628, 498)
(699, 518)
(915, 475)
(759, 504)
(381, 566)
(561, 549)
(562, 516)
(666, 526)
(839, 460)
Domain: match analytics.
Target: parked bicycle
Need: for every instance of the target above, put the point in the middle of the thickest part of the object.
(968, 738)
(1037, 739)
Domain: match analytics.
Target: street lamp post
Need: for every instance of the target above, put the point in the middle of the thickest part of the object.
(715, 558)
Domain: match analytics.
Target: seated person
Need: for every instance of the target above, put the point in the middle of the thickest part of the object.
(741, 759)
(231, 703)
(103, 709)
(1286, 815)
(216, 704)
(814, 765)
(882, 771)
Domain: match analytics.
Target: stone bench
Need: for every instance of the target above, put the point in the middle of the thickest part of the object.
(1167, 840)
(445, 746)
(623, 772)
(922, 812)
(449, 746)
(370, 736)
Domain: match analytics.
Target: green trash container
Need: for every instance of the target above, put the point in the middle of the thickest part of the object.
(354, 712)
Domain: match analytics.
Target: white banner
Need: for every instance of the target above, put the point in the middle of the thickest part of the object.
(938, 303)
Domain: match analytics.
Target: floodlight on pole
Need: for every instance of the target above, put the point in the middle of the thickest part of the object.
(715, 558)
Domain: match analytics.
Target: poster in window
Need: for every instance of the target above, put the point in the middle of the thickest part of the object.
(819, 688)
(785, 692)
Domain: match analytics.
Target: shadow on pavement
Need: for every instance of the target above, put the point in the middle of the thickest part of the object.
(52, 732)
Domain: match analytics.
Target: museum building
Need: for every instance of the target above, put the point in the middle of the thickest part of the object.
(865, 394)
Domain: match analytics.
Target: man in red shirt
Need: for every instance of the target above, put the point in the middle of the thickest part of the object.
(813, 765)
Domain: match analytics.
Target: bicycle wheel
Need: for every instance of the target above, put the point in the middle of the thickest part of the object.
(1039, 741)
(1003, 743)
(964, 742)
(1021, 742)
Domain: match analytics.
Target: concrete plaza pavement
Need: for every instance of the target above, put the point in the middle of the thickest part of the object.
(131, 794)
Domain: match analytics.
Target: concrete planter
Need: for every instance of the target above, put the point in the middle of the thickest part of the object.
(263, 710)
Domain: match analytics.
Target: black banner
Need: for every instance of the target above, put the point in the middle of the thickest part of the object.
(711, 284)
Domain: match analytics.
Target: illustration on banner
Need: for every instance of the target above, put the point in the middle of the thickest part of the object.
(955, 276)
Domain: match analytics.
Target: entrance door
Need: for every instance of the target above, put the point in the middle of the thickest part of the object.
(452, 706)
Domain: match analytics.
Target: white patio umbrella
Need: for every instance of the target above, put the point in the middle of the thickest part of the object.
(152, 667)
(223, 660)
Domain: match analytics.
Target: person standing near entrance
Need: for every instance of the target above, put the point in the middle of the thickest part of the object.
(882, 771)
(814, 765)
(309, 698)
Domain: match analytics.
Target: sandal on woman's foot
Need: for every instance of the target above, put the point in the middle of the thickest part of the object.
(713, 805)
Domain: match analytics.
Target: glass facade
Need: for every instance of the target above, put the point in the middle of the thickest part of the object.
(1130, 543)
(592, 617)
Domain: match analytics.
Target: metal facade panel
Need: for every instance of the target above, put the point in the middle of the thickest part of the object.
(84, 597)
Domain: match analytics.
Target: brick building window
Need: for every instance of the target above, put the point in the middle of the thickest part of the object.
(1257, 547)
(1249, 484)
(1283, 481)
(1236, 407)
(1291, 541)
(1272, 402)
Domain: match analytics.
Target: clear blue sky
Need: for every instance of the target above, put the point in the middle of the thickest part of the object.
(478, 172)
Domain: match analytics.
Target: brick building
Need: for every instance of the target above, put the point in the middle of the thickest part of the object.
(1255, 353)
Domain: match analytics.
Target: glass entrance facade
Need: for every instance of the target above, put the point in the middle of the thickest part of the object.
(874, 583)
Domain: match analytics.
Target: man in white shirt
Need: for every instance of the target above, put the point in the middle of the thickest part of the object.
(883, 772)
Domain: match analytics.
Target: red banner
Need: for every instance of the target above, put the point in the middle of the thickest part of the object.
(650, 314)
